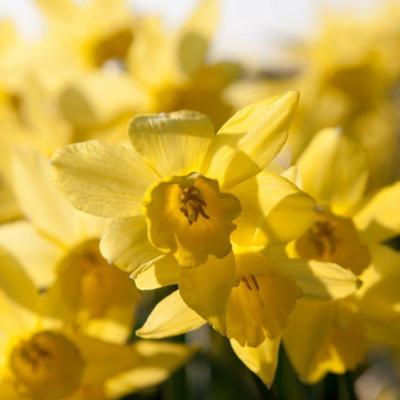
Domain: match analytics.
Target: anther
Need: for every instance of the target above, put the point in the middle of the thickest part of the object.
(192, 204)
(323, 237)
(251, 282)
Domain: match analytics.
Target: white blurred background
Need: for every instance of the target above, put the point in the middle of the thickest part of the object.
(250, 29)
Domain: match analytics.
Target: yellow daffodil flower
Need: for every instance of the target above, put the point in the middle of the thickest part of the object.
(197, 209)
(88, 34)
(331, 336)
(40, 360)
(58, 246)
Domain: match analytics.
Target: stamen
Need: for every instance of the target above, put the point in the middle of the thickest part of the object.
(251, 282)
(47, 366)
(324, 239)
(192, 204)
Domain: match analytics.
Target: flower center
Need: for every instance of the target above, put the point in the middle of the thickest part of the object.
(48, 366)
(92, 285)
(192, 204)
(334, 239)
(191, 217)
(322, 234)
(113, 47)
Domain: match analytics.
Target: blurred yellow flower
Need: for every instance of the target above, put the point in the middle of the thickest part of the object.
(85, 36)
(41, 360)
(58, 247)
(347, 231)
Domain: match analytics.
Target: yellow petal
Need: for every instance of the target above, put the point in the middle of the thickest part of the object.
(381, 302)
(18, 297)
(55, 10)
(163, 271)
(379, 218)
(260, 305)
(105, 180)
(170, 317)
(36, 254)
(174, 143)
(9, 392)
(262, 360)
(9, 210)
(342, 173)
(98, 98)
(152, 58)
(307, 333)
(206, 289)
(249, 140)
(103, 359)
(41, 201)
(112, 328)
(325, 337)
(320, 280)
(157, 362)
(126, 245)
(347, 349)
(195, 36)
(293, 175)
(384, 266)
(273, 210)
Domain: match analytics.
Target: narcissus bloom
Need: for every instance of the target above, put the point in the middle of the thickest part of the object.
(59, 248)
(83, 36)
(346, 231)
(42, 361)
(196, 208)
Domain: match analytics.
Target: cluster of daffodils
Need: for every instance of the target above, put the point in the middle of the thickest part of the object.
(125, 168)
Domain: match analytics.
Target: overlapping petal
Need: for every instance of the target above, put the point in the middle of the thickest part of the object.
(104, 180)
(157, 362)
(41, 201)
(18, 297)
(174, 143)
(379, 218)
(262, 360)
(249, 140)
(320, 280)
(270, 204)
(206, 289)
(35, 253)
(259, 307)
(126, 245)
(163, 271)
(170, 317)
(334, 170)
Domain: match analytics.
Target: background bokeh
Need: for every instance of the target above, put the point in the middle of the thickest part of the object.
(251, 29)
